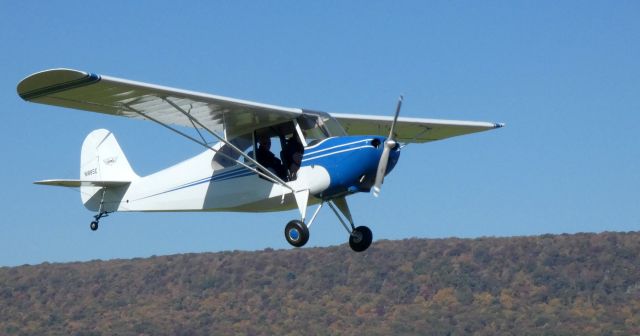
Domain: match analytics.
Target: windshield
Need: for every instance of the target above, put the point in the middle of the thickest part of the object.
(316, 126)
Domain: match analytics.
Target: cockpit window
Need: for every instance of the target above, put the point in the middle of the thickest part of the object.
(226, 156)
(317, 126)
(333, 126)
(314, 135)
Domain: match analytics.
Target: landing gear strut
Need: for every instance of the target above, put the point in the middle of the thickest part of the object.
(101, 213)
(360, 237)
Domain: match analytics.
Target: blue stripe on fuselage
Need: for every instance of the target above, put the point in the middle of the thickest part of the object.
(221, 176)
(347, 159)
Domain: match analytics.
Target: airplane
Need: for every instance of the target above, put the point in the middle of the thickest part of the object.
(323, 157)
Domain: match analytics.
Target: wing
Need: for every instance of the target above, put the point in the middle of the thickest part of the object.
(83, 183)
(121, 97)
(223, 115)
(410, 130)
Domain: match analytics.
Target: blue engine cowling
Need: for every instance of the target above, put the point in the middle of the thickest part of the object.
(352, 162)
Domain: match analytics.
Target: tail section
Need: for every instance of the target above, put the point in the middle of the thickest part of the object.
(102, 161)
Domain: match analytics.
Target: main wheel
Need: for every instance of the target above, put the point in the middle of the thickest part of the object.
(296, 233)
(360, 239)
(93, 225)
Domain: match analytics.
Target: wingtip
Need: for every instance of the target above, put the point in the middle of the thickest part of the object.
(499, 125)
(53, 80)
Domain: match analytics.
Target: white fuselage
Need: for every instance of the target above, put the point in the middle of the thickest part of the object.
(194, 185)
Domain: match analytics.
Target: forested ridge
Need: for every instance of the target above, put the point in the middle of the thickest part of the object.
(579, 284)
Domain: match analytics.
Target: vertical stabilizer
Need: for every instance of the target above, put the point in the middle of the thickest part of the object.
(102, 159)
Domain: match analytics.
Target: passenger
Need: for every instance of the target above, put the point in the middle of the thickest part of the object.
(292, 156)
(268, 159)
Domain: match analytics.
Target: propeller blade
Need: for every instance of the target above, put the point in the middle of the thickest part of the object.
(384, 158)
(382, 167)
(395, 118)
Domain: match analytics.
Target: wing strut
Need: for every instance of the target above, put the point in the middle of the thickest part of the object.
(194, 126)
(252, 160)
(266, 174)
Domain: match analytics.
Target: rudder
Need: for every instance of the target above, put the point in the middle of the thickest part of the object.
(102, 159)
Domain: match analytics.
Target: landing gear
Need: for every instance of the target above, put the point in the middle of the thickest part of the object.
(296, 233)
(94, 224)
(101, 213)
(360, 238)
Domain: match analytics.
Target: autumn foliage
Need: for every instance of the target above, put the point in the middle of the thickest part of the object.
(554, 284)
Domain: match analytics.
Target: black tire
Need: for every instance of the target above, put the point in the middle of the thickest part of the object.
(93, 225)
(360, 239)
(296, 233)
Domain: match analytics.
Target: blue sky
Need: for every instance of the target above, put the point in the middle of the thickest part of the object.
(564, 76)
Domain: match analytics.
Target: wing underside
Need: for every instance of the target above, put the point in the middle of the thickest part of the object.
(121, 97)
(82, 183)
(410, 130)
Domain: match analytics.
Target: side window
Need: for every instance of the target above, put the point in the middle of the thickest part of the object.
(279, 149)
(251, 152)
(227, 156)
(314, 135)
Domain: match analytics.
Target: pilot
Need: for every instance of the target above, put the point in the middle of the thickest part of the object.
(268, 159)
(292, 156)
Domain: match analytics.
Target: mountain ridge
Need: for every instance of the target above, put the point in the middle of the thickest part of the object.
(584, 283)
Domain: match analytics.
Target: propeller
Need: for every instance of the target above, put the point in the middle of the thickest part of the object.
(389, 144)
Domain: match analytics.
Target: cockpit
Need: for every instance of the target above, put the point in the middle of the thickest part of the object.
(279, 147)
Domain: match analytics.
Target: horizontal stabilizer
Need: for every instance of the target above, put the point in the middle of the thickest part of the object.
(82, 183)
